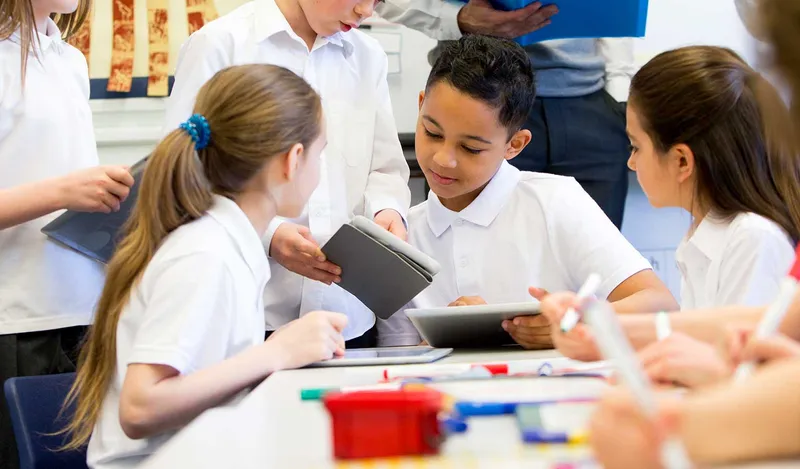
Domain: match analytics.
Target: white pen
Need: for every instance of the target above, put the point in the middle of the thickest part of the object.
(614, 346)
(774, 314)
(588, 289)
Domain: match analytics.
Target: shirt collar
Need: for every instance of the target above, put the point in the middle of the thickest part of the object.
(709, 236)
(50, 38)
(483, 210)
(228, 214)
(269, 20)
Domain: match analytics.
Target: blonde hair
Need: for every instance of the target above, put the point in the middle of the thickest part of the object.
(254, 112)
(18, 16)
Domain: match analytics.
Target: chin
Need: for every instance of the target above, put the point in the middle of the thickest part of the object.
(66, 8)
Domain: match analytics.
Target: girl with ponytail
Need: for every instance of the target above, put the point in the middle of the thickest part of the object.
(179, 326)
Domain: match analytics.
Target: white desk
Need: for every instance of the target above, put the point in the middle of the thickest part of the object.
(272, 428)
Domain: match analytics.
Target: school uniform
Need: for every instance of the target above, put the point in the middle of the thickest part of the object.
(523, 230)
(198, 303)
(740, 261)
(47, 292)
(363, 171)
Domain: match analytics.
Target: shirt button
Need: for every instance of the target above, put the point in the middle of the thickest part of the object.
(459, 222)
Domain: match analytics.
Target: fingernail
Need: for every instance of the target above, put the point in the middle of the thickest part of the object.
(505, 325)
(338, 271)
(338, 280)
(517, 321)
(321, 258)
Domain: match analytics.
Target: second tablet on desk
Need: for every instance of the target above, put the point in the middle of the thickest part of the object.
(469, 326)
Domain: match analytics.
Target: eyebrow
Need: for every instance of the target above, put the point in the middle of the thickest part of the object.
(468, 137)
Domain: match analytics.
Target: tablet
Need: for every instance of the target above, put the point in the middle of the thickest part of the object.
(478, 326)
(386, 356)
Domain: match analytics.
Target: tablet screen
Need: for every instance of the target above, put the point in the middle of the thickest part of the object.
(383, 353)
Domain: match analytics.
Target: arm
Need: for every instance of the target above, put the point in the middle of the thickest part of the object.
(744, 419)
(437, 19)
(387, 183)
(642, 292)
(620, 66)
(28, 202)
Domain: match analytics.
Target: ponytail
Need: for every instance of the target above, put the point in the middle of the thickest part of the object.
(174, 191)
(783, 158)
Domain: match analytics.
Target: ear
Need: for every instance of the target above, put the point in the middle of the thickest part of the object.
(421, 99)
(518, 142)
(683, 157)
(291, 161)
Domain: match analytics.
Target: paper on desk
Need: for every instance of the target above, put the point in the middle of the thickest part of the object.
(522, 389)
(585, 19)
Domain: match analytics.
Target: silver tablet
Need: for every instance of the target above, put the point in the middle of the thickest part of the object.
(386, 356)
(469, 326)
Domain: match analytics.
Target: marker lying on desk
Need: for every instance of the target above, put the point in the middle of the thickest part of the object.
(774, 314)
(316, 394)
(486, 409)
(542, 367)
(614, 346)
(588, 289)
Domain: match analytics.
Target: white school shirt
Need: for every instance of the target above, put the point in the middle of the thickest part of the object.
(438, 19)
(363, 171)
(524, 229)
(45, 132)
(198, 303)
(733, 262)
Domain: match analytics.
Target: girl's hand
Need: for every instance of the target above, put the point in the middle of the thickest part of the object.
(315, 337)
(578, 343)
(683, 360)
(99, 189)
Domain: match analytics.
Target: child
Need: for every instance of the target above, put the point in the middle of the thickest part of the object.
(48, 163)
(178, 327)
(364, 171)
(496, 230)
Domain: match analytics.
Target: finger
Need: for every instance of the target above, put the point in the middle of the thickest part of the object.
(521, 14)
(119, 190)
(121, 175)
(308, 247)
(110, 200)
(774, 348)
(338, 321)
(538, 293)
(399, 230)
(652, 353)
(314, 274)
(325, 266)
(538, 321)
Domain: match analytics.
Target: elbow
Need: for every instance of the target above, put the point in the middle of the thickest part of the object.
(136, 421)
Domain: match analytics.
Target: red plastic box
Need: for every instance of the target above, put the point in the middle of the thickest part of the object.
(378, 424)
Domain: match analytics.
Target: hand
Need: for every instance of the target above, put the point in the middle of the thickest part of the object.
(683, 360)
(480, 17)
(468, 301)
(392, 222)
(314, 337)
(99, 189)
(578, 343)
(294, 248)
(743, 348)
(532, 332)
(621, 435)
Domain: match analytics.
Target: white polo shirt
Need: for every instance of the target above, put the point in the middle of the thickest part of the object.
(363, 171)
(524, 229)
(198, 303)
(45, 133)
(733, 262)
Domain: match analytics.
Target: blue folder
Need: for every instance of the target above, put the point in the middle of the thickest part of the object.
(585, 19)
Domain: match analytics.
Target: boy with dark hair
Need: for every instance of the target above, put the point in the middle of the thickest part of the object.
(496, 230)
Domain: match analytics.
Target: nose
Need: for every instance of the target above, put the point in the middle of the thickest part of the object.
(444, 157)
(632, 162)
(365, 8)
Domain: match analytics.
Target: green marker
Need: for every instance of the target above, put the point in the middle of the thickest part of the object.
(317, 394)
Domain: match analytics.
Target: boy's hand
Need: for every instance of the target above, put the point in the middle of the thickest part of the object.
(294, 248)
(392, 222)
(578, 343)
(468, 301)
(480, 17)
(99, 189)
(532, 332)
(683, 360)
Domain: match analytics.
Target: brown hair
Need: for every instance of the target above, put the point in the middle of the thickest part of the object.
(254, 112)
(780, 21)
(17, 15)
(734, 121)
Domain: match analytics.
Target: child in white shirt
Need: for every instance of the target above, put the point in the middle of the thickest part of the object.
(364, 171)
(495, 230)
(178, 328)
(48, 163)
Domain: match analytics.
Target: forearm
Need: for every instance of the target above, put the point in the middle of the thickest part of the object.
(28, 202)
(437, 19)
(173, 402)
(711, 326)
(651, 299)
(758, 419)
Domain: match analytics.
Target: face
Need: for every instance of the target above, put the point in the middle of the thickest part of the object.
(62, 7)
(460, 144)
(328, 17)
(301, 169)
(662, 176)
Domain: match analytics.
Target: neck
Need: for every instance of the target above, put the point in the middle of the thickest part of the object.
(296, 18)
(459, 203)
(259, 210)
(40, 21)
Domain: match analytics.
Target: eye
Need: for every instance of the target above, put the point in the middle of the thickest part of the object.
(432, 135)
(632, 149)
(471, 150)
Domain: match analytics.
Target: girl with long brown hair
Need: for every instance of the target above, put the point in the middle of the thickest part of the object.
(48, 162)
(179, 326)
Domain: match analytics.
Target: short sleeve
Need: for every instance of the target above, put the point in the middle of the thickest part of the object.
(753, 264)
(586, 241)
(187, 314)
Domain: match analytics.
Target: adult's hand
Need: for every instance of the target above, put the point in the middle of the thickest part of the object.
(480, 17)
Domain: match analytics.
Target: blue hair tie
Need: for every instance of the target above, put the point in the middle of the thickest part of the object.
(197, 128)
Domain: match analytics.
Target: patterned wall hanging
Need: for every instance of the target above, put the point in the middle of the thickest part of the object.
(124, 41)
(158, 38)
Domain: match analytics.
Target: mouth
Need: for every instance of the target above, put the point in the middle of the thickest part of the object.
(442, 180)
(345, 27)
